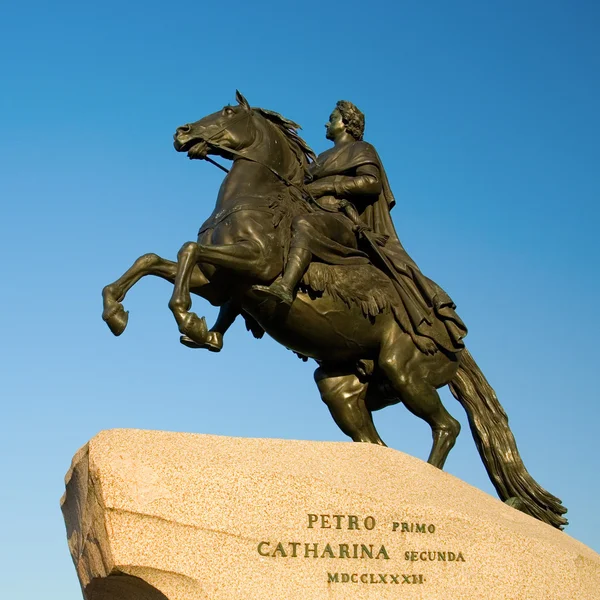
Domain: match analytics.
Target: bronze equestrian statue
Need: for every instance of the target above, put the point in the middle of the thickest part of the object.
(303, 248)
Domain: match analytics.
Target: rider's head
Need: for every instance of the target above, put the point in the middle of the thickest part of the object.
(353, 119)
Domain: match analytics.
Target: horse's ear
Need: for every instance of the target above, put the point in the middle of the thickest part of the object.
(241, 100)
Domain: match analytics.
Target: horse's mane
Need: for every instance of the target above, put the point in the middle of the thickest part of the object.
(300, 148)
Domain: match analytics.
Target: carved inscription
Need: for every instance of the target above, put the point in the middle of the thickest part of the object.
(413, 527)
(361, 551)
(374, 578)
(341, 522)
(298, 549)
(434, 555)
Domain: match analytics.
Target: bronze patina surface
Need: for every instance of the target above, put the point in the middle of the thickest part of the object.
(303, 248)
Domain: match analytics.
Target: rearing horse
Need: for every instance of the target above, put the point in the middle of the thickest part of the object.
(366, 361)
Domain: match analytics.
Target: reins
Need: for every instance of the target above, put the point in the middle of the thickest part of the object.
(214, 162)
(305, 194)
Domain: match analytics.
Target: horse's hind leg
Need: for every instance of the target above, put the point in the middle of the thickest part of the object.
(344, 395)
(148, 264)
(403, 365)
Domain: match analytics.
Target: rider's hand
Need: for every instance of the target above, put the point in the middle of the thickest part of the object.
(199, 151)
(319, 188)
(379, 238)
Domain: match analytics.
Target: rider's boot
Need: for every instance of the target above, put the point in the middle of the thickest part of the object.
(283, 290)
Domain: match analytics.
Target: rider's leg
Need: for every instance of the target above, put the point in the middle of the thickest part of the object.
(297, 263)
(283, 290)
(328, 236)
(344, 395)
(299, 257)
(402, 364)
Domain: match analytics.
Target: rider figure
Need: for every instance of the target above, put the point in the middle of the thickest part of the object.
(353, 226)
(345, 182)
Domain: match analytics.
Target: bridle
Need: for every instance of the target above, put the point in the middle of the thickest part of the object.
(248, 113)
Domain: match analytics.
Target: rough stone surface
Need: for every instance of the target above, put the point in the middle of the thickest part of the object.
(154, 515)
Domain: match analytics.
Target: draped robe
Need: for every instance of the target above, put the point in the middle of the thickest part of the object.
(353, 170)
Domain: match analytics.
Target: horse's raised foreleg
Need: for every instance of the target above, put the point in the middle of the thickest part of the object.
(401, 362)
(247, 257)
(189, 324)
(344, 394)
(148, 264)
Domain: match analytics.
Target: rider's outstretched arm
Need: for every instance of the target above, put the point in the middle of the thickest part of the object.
(365, 182)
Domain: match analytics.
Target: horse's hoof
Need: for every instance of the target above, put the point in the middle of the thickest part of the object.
(214, 342)
(194, 328)
(189, 342)
(116, 318)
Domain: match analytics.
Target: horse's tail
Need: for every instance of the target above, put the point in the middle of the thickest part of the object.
(497, 447)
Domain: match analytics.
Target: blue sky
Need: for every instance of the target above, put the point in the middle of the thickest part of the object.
(486, 117)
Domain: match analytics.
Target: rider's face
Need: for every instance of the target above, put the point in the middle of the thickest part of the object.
(335, 127)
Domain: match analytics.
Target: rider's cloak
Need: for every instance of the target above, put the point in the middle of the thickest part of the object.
(428, 309)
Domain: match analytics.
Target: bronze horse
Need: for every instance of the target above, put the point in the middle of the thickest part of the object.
(366, 361)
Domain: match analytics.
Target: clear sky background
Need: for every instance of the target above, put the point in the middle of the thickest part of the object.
(486, 115)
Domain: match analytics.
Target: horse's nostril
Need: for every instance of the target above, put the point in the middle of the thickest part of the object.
(184, 128)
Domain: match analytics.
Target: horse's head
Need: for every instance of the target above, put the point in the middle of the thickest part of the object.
(214, 134)
(261, 136)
